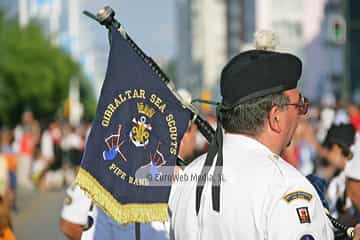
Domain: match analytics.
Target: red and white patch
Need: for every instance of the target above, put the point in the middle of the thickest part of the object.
(303, 214)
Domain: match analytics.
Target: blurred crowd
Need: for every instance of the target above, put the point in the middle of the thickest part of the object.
(35, 157)
(45, 158)
(308, 151)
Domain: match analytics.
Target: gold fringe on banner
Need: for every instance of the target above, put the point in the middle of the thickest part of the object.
(122, 213)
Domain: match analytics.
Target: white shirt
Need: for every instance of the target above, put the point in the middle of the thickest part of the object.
(71, 141)
(77, 209)
(47, 145)
(352, 169)
(335, 191)
(252, 202)
(327, 117)
(341, 116)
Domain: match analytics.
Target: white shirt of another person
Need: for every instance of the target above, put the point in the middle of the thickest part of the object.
(79, 209)
(352, 169)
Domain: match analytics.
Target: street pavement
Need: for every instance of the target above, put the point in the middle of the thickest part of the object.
(38, 215)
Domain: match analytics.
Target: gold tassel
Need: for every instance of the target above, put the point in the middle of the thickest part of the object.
(122, 213)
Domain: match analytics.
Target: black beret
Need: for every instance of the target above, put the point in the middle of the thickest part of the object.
(257, 73)
(343, 135)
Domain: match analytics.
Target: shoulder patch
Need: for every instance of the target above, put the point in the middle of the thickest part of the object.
(297, 195)
(303, 214)
(68, 200)
(307, 237)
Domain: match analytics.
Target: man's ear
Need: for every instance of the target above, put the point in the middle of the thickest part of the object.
(274, 119)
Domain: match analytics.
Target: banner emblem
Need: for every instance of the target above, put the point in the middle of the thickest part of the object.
(114, 148)
(156, 161)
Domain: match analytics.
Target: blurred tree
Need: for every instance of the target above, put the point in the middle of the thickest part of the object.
(34, 73)
(88, 99)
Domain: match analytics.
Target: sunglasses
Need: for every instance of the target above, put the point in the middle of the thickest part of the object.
(302, 105)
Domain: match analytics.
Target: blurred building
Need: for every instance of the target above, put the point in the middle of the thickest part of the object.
(240, 25)
(45, 12)
(185, 67)
(353, 48)
(332, 57)
(285, 18)
(306, 29)
(209, 33)
(202, 43)
(323, 56)
(9, 8)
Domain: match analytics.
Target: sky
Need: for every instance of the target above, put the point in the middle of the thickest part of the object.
(151, 24)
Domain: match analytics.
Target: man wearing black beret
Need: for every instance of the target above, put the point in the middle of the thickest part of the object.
(242, 188)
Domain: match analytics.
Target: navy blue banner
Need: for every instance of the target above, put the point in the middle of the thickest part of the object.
(138, 128)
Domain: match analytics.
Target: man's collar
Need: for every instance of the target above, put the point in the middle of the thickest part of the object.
(240, 141)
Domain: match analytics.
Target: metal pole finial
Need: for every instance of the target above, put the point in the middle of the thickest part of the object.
(105, 16)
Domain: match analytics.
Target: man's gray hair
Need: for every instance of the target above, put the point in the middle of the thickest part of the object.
(250, 117)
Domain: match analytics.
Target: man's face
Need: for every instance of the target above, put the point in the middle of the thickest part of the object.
(335, 157)
(292, 115)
